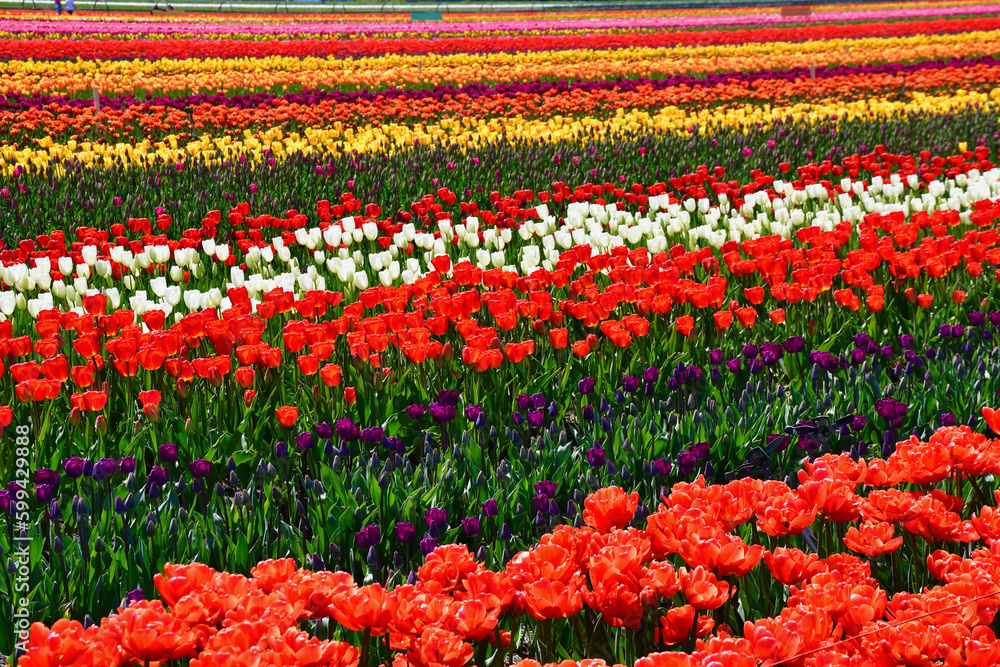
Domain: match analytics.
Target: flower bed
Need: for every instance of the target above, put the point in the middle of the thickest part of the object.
(518, 337)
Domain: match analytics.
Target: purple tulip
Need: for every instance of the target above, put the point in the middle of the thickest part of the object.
(133, 596)
(324, 430)
(126, 465)
(168, 452)
(372, 434)
(546, 488)
(200, 468)
(470, 525)
(416, 411)
(368, 537)
(105, 468)
(46, 476)
(405, 532)
(436, 516)
(427, 545)
(490, 508)
(448, 397)
(348, 430)
(586, 386)
(660, 467)
(156, 476)
(73, 467)
(441, 413)
(596, 457)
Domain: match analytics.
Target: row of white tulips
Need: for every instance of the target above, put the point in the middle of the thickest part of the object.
(343, 256)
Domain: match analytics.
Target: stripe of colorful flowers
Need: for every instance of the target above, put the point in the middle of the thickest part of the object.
(647, 339)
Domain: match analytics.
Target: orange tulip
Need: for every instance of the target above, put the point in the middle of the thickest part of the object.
(149, 633)
(992, 419)
(287, 415)
(609, 509)
(873, 539)
(746, 316)
(723, 319)
(791, 567)
(547, 599)
(702, 589)
(675, 627)
(558, 338)
(685, 325)
(366, 608)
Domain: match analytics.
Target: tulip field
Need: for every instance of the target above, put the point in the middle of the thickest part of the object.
(659, 338)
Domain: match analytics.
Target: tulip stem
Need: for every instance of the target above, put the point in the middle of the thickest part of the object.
(365, 642)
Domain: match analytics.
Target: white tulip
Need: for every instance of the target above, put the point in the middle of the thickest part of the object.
(192, 299)
(114, 297)
(332, 236)
(172, 295)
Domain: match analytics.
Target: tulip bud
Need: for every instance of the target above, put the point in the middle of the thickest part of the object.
(378, 381)
(151, 411)
(75, 416)
(215, 377)
(101, 424)
(540, 328)
(447, 352)
(188, 426)
(183, 387)
(317, 392)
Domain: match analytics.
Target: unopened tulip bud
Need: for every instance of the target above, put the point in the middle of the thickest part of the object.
(188, 425)
(215, 377)
(152, 412)
(447, 352)
(101, 424)
(75, 416)
(183, 387)
(540, 327)
(317, 392)
(378, 381)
